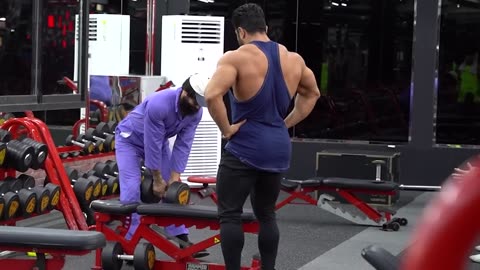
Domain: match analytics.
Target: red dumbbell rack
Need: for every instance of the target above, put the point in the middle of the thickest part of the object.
(53, 166)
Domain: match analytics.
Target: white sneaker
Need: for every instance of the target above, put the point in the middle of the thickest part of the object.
(475, 258)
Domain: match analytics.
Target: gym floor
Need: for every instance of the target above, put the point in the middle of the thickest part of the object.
(311, 238)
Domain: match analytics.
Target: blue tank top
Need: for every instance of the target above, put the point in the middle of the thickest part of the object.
(263, 141)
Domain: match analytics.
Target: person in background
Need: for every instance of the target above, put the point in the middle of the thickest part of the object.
(143, 135)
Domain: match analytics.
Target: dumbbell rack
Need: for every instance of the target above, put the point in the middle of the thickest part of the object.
(53, 166)
(75, 148)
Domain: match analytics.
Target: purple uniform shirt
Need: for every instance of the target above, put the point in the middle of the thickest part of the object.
(144, 133)
(155, 120)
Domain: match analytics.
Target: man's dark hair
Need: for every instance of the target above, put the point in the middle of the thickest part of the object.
(249, 17)
(188, 88)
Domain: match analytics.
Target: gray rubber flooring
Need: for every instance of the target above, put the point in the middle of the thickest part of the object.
(311, 238)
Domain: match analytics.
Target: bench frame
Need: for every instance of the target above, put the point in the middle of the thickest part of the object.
(181, 257)
(303, 193)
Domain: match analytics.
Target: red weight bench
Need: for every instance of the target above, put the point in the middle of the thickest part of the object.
(346, 189)
(56, 242)
(162, 215)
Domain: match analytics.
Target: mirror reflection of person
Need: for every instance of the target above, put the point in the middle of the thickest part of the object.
(468, 87)
(100, 90)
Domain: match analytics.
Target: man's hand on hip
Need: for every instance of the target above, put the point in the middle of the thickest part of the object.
(233, 129)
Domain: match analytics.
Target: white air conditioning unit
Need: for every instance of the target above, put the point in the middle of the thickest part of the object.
(190, 44)
(108, 47)
(194, 44)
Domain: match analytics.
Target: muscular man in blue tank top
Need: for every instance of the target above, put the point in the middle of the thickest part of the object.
(264, 77)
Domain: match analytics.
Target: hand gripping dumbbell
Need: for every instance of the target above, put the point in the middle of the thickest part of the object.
(108, 140)
(143, 256)
(88, 147)
(82, 187)
(99, 147)
(28, 199)
(42, 193)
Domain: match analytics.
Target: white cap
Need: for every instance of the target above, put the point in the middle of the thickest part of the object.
(199, 83)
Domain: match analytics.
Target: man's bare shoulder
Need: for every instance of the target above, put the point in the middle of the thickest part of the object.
(230, 57)
(290, 55)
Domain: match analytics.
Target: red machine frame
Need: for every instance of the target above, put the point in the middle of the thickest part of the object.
(180, 257)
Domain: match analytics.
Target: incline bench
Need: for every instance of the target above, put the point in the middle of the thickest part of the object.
(344, 187)
(159, 215)
(55, 242)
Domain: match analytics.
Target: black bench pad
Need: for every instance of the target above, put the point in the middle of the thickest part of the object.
(292, 184)
(348, 183)
(185, 211)
(380, 258)
(114, 207)
(43, 238)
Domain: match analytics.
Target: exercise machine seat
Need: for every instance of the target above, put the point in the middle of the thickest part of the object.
(347, 183)
(186, 211)
(380, 258)
(114, 207)
(52, 239)
(292, 184)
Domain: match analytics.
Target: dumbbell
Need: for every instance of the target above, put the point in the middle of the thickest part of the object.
(42, 193)
(99, 147)
(28, 199)
(40, 152)
(5, 136)
(88, 147)
(143, 256)
(109, 184)
(102, 170)
(82, 187)
(65, 155)
(17, 155)
(108, 140)
(88, 188)
(105, 129)
(9, 202)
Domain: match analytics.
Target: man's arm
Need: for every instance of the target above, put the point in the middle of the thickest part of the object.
(154, 135)
(183, 146)
(222, 80)
(307, 96)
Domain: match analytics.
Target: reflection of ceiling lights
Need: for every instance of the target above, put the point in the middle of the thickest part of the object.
(207, 1)
(3, 19)
(337, 4)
